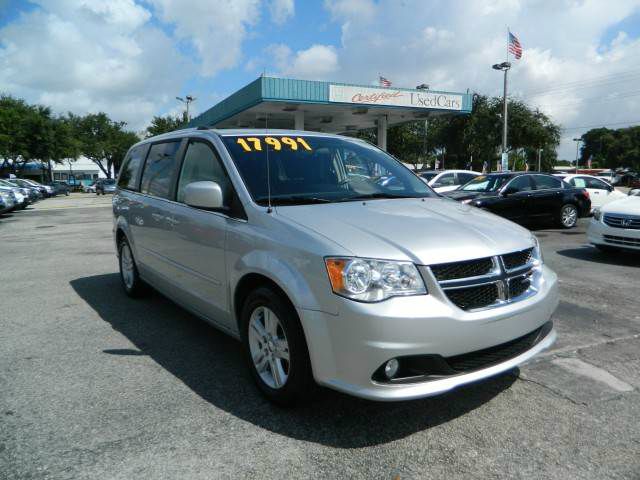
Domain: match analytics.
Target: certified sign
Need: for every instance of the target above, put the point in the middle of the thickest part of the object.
(392, 97)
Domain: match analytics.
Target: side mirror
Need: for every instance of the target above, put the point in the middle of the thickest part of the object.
(634, 192)
(207, 195)
(611, 188)
(509, 191)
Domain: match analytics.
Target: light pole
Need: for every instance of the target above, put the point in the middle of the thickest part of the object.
(540, 159)
(186, 100)
(577, 140)
(504, 67)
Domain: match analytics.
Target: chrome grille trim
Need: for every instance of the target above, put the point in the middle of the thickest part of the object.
(507, 290)
(616, 220)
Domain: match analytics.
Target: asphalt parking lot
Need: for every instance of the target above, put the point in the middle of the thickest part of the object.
(96, 385)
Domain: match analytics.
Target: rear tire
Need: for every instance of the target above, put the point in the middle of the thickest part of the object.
(131, 281)
(275, 348)
(568, 216)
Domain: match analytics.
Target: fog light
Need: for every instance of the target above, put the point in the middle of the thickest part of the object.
(391, 368)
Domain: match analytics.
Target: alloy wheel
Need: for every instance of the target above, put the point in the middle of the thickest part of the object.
(269, 347)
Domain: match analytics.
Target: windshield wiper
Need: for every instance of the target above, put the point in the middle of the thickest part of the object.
(369, 196)
(292, 200)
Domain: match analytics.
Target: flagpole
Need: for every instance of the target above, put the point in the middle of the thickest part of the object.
(505, 158)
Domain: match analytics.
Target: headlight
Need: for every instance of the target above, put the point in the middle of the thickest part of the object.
(597, 214)
(537, 252)
(369, 280)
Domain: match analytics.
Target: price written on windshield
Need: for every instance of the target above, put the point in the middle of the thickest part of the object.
(254, 144)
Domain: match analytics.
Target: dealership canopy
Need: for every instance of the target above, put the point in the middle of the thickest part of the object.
(270, 102)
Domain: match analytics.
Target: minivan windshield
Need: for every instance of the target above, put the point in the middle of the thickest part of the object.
(316, 169)
(486, 183)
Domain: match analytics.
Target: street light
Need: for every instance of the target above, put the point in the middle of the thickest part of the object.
(577, 140)
(504, 67)
(186, 100)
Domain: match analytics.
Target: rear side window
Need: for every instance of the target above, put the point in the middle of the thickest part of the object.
(544, 181)
(159, 170)
(129, 172)
(446, 180)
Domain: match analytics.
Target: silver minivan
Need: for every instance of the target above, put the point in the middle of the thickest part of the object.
(294, 243)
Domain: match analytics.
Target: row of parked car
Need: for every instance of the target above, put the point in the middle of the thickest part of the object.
(18, 193)
(524, 196)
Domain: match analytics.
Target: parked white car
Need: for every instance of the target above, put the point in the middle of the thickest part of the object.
(600, 191)
(616, 225)
(447, 180)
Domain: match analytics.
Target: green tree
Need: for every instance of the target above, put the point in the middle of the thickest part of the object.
(612, 148)
(161, 125)
(102, 140)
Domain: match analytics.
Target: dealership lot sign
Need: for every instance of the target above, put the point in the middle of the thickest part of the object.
(394, 97)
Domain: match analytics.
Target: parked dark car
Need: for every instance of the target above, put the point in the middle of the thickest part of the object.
(526, 197)
(61, 188)
(106, 185)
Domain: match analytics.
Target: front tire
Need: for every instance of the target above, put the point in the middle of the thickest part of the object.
(131, 281)
(275, 348)
(568, 216)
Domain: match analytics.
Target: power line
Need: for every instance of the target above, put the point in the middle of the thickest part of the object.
(594, 81)
(601, 125)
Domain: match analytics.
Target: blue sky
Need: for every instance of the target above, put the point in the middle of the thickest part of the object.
(131, 58)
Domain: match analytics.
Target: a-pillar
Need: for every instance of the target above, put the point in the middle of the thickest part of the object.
(382, 132)
(298, 120)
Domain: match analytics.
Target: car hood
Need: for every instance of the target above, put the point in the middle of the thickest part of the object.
(626, 206)
(464, 195)
(435, 230)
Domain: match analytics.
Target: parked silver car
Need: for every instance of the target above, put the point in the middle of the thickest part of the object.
(383, 292)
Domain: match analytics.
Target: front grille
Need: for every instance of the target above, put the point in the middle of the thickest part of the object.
(470, 298)
(466, 269)
(488, 281)
(517, 259)
(622, 221)
(633, 242)
(518, 286)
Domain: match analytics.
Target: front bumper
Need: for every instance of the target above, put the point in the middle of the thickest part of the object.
(600, 234)
(346, 349)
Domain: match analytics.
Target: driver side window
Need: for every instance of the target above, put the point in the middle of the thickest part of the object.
(445, 180)
(520, 184)
(202, 164)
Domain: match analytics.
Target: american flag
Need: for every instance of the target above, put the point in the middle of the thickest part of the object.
(514, 46)
(384, 82)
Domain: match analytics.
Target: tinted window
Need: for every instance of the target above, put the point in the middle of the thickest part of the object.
(159, 169)
(578, 182)
(202, 164)
(546, 181)
(318, 169)
(129, 172)
(520, 184)
(465, 177)
(446, 180)
(596, 184)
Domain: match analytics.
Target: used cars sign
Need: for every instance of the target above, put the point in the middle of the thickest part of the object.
(394, 97)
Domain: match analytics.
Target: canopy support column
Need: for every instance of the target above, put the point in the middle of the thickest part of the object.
(382, 132)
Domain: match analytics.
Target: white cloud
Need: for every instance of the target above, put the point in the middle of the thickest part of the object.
(451, 44)
(88, 56)
(317, 62)
(281, 10)
(215, 29)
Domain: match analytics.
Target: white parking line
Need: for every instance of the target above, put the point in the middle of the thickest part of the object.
(585, 369)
